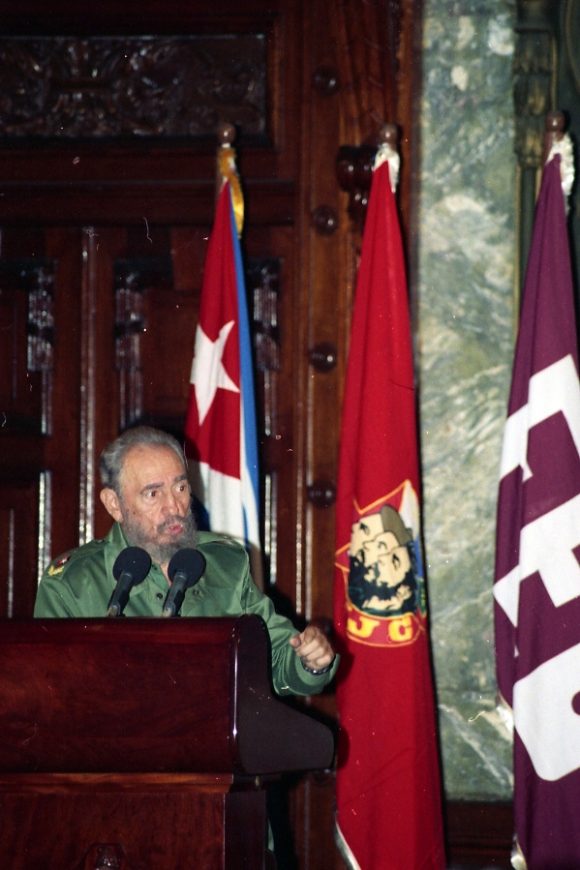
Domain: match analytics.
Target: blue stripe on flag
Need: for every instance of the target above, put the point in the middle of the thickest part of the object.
(246, 376)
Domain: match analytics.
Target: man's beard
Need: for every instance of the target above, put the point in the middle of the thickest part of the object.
(161, 553)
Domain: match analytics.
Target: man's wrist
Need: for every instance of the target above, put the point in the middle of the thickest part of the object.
(317, 672)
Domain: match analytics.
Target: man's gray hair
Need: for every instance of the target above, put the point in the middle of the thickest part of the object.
(113, 456)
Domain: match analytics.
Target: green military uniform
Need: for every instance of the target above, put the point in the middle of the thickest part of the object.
(80, 584)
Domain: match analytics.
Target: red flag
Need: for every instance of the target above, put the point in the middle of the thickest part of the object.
(537, 576)
(220, 428)
(388, 786)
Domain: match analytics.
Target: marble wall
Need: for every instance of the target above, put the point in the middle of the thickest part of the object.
(465, 320)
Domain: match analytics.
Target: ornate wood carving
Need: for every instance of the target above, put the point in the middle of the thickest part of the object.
(41, 320)
(570, 44)
(132, 86)
(263, 278)
(26, 292)
(132, 279)
(533, 80)
(533, 69)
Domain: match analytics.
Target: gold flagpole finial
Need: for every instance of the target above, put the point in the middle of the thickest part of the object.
(227, 171)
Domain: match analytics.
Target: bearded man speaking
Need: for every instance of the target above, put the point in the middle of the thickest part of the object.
(146, 491)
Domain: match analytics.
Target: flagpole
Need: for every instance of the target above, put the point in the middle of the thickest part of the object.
(388, 786)
(220, 428)
(536, 588)
(226, 170)
(554, 132)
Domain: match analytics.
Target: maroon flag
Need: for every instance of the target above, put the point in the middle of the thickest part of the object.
(537, 576)
(388, 789)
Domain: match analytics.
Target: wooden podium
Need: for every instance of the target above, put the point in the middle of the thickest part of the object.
(142, 744)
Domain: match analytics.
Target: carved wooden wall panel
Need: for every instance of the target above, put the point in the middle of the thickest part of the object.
(39, 390)
(108, 182)
(70, 87)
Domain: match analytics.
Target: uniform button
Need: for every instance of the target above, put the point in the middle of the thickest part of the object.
(159, 595)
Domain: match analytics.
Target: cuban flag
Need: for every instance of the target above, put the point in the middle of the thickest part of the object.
(220, 428)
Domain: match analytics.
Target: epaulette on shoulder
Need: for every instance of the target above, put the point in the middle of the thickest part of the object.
(228, 541)
(57, 565)
(223, 546)
(209, 539)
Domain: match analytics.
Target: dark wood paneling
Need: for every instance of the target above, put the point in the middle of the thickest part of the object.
(125, 225)
(143, 203)
(135, 16)
(20, 524)
(27, 348)
(88, 822)
(479, 834)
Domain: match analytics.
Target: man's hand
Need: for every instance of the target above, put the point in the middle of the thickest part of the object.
(313, 647)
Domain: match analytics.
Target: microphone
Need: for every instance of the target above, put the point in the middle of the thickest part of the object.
(130, 568)
(184, 569)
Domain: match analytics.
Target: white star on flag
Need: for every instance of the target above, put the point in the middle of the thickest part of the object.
(220, 430)
(207, 359)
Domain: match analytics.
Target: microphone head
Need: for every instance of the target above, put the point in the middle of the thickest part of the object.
(134, 561)
(188, 562)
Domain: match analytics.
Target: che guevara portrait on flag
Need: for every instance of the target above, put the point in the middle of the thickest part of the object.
(383, 571)
(382, 574)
